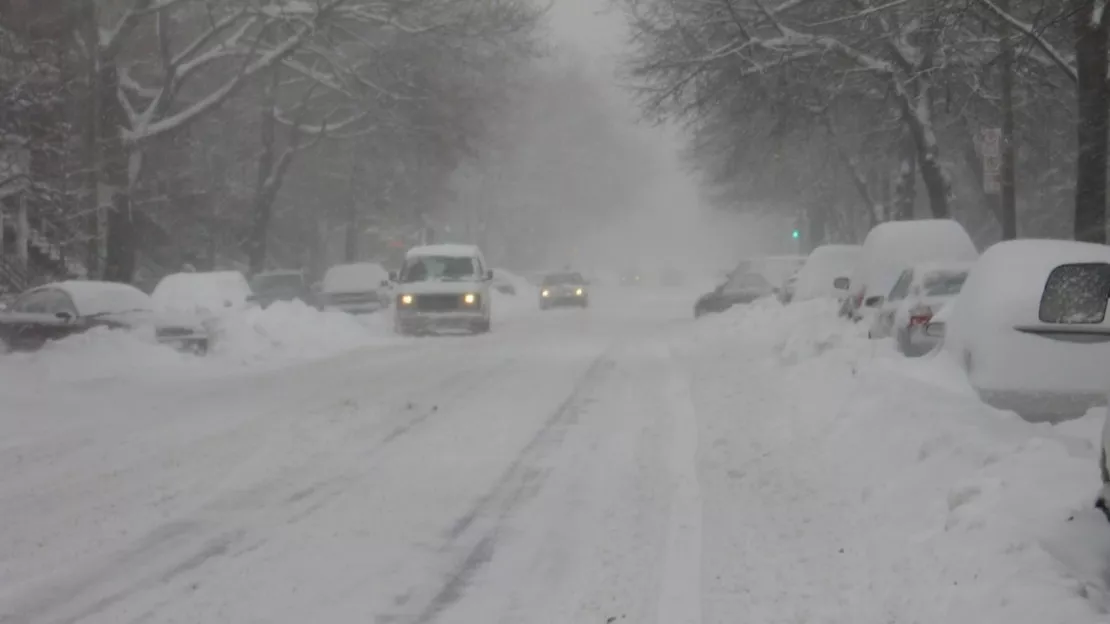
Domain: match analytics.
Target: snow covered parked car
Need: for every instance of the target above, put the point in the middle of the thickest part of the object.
(817, 279)
(741, 287)
(443, 287)
(63, 309)
(891, 248)
(271, 286)
(1030, 327)
(207, 294)
(357, 288)
(919, 292)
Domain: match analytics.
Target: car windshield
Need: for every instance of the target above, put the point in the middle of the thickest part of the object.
(277, 281)
(438, 268)
(944, 283)
(747, 281)
(559, 279)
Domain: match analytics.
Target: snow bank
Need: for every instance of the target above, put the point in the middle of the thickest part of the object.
(281, 334)
(854, 484)
(288, 331)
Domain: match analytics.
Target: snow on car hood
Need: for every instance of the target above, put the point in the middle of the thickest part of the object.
(447, 288)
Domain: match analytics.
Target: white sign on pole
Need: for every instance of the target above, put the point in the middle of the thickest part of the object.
(990, 150)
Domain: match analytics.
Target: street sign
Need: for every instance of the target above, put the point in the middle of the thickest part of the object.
(990, 150)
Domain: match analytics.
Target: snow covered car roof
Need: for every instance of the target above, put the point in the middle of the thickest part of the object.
(895, 246)
(92, 297)
(825, 264)
(357, 276)
(448, 249)
(211, 291)
(1008, 281)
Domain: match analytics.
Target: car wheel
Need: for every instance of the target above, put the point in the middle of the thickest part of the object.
(482, 327)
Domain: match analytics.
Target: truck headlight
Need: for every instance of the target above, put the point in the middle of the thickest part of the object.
(545, 293)
(469, 298)
(406, 299)
(578, 292)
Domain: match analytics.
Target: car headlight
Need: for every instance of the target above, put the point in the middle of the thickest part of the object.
(545, 293)
(406, 299)
(469, 298)
(578, 292)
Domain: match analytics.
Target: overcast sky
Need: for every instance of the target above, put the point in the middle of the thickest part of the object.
(674, 220)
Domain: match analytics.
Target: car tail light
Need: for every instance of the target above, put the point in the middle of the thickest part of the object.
(920, 315)
(857, 301)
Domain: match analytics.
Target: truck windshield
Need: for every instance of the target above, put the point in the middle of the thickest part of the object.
(438, 268)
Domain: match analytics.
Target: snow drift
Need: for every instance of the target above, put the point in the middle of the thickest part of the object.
(283, 333)
(857, 486)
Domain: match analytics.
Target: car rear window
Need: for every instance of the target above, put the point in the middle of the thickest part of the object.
(1076, 294)
(944, 283)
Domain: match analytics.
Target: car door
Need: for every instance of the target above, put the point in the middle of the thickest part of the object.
(33, 319)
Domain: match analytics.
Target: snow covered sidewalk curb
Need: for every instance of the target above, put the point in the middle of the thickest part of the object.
(845, 484)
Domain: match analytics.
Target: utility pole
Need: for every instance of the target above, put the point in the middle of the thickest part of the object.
(1008, 174)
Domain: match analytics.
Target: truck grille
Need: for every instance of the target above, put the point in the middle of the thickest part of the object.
(438, 303)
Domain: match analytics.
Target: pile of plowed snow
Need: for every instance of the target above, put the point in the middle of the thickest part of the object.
(854, 485)
(283, 333)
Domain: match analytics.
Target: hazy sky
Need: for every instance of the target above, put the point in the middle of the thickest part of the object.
(674, 220)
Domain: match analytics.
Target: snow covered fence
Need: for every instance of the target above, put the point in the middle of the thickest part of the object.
(886, 490)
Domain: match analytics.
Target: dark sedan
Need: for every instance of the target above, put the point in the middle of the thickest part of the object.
(741, 288)
(564, 289)
(63, 309)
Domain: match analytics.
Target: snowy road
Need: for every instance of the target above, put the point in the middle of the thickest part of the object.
(620, 464)
(521, 476)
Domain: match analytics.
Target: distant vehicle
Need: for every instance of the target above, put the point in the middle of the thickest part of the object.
(895, 246)
(208, 294)
(62, 309)
(443, 287)
(1030, 327)
(919, 292)
(740, 288)
(564, 289)
(271, 286)
(631, 277)
(356, 288)
(825, 265)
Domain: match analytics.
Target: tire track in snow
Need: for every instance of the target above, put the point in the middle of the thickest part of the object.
(185, 544)
(518, 483)
(680, 586)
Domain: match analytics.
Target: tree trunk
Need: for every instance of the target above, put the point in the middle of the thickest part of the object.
(114, 161)
(1091, 63)
(1008, 181)
(262, 209)
(917, 115)
(90, 135)
(350, 248)
(905, 184)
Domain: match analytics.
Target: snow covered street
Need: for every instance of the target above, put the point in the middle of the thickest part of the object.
(618, 464)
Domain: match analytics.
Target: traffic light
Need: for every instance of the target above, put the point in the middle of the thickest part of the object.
(795, 234)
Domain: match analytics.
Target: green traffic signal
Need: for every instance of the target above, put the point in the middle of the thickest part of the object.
(795, 234)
